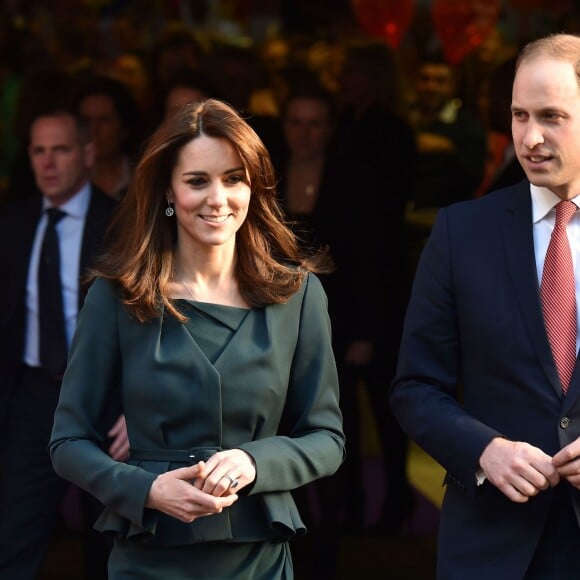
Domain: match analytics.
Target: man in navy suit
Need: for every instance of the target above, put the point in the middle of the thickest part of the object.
(477, 385)
(61, 155)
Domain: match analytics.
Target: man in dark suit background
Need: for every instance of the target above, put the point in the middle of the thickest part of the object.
(480, 385)
(61, 156)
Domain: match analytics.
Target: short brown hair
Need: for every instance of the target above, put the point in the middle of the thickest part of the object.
(559, 45)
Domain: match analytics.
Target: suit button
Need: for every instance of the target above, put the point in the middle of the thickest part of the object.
(564, 422)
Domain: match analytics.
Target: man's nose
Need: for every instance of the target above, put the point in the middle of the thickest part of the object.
(533, 135)
(48, 159)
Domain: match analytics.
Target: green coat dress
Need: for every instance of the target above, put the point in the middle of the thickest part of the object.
(263, 380)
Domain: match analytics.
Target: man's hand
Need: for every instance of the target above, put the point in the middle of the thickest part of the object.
(432, 142)
(119, 448)
(519, 470)
(567, 462)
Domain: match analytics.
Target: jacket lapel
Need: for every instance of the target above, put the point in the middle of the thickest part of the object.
(517, 231)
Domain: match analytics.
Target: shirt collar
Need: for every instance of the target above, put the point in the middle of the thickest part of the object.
(78, 205)
(543, 200)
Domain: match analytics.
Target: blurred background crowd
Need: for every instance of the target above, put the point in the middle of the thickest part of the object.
(253, 53)
(441, 67)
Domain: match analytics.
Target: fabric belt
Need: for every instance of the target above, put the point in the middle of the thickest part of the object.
(191, 456)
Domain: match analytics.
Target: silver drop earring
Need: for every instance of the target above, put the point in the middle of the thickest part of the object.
(169, 211)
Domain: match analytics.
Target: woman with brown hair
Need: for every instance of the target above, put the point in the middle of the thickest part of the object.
(210, 330)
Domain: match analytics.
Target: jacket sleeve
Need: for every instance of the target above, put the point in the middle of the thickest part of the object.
(90, 385)
(313, 445)
(426, 392)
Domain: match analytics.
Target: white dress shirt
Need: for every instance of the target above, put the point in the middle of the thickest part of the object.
(70, 233)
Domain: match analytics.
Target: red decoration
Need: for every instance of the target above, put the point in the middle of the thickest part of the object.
(557, 7)
(527, 4)
(462, 25)
(386, 19)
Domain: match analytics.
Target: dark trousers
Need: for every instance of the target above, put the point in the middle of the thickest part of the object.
(30, 491)
(557, 556)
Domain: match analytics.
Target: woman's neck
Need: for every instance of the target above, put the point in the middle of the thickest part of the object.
(207, 277)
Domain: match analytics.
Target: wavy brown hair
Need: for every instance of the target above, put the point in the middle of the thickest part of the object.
(141, 241)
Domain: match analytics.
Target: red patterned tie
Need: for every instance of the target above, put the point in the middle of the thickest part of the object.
(558, 292)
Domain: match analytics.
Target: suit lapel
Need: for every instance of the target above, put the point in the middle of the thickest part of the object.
(98, 216)
(26, 232)
(27, 229)
(517, 231)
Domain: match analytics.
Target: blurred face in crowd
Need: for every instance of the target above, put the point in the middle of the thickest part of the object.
(354, 84)
(546, 124)
(179, 96)
(174, 59)
(61, 160)
(210, 190)
(435, 86)
(106, 127)
(307, 127)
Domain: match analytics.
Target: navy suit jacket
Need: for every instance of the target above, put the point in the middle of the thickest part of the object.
(475, 363)
(18, 223)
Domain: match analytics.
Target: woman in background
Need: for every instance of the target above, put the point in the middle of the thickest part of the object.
(112, 115)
